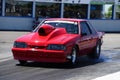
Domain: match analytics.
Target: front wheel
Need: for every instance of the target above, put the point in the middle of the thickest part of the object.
(22, 62)
(73, 55)
(96, 52)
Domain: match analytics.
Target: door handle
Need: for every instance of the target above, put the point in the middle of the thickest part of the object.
(88, 39)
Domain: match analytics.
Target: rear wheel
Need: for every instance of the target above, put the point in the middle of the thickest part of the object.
(22, 62)
(96, 52)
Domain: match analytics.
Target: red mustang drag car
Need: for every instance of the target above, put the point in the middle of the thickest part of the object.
(59, 40)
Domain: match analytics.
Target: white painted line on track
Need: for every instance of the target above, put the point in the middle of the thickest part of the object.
(113, 76)
(5, 59)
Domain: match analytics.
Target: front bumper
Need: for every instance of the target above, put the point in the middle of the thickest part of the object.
(39, 55)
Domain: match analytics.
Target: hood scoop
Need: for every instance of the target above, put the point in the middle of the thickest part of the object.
(45, 29)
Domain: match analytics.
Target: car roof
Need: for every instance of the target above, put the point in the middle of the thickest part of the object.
(66, 19)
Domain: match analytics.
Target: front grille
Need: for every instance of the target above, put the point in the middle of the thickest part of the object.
(37, 47)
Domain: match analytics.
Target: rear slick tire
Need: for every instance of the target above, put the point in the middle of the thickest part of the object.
(96, 52)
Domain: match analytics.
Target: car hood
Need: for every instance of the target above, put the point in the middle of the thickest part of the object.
(58, 36)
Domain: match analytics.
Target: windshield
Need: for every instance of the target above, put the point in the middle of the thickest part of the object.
(71, 27)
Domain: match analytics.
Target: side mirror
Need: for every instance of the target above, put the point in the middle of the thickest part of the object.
(83, 34)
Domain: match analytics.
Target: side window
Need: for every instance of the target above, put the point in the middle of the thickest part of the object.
(92, 28)
(85, 29)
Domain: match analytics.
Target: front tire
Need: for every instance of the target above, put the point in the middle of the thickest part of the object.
(22, 62)
(73, 59)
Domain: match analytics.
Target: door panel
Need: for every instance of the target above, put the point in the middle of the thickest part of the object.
(87, 41)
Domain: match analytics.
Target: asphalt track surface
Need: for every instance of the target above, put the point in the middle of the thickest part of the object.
(109, 63)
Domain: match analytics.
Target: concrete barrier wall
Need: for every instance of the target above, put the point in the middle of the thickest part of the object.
(106, 25)
(16, 23)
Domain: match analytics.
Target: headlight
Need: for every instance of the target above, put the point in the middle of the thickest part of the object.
(20, 44)
(56, 47)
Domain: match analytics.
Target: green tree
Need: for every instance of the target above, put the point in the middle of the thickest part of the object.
(108, 15)
(118, 12)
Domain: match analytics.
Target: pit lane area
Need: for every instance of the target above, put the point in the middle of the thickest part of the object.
(86, 69)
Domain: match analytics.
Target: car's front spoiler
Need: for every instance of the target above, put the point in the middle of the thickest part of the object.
(39, 55)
